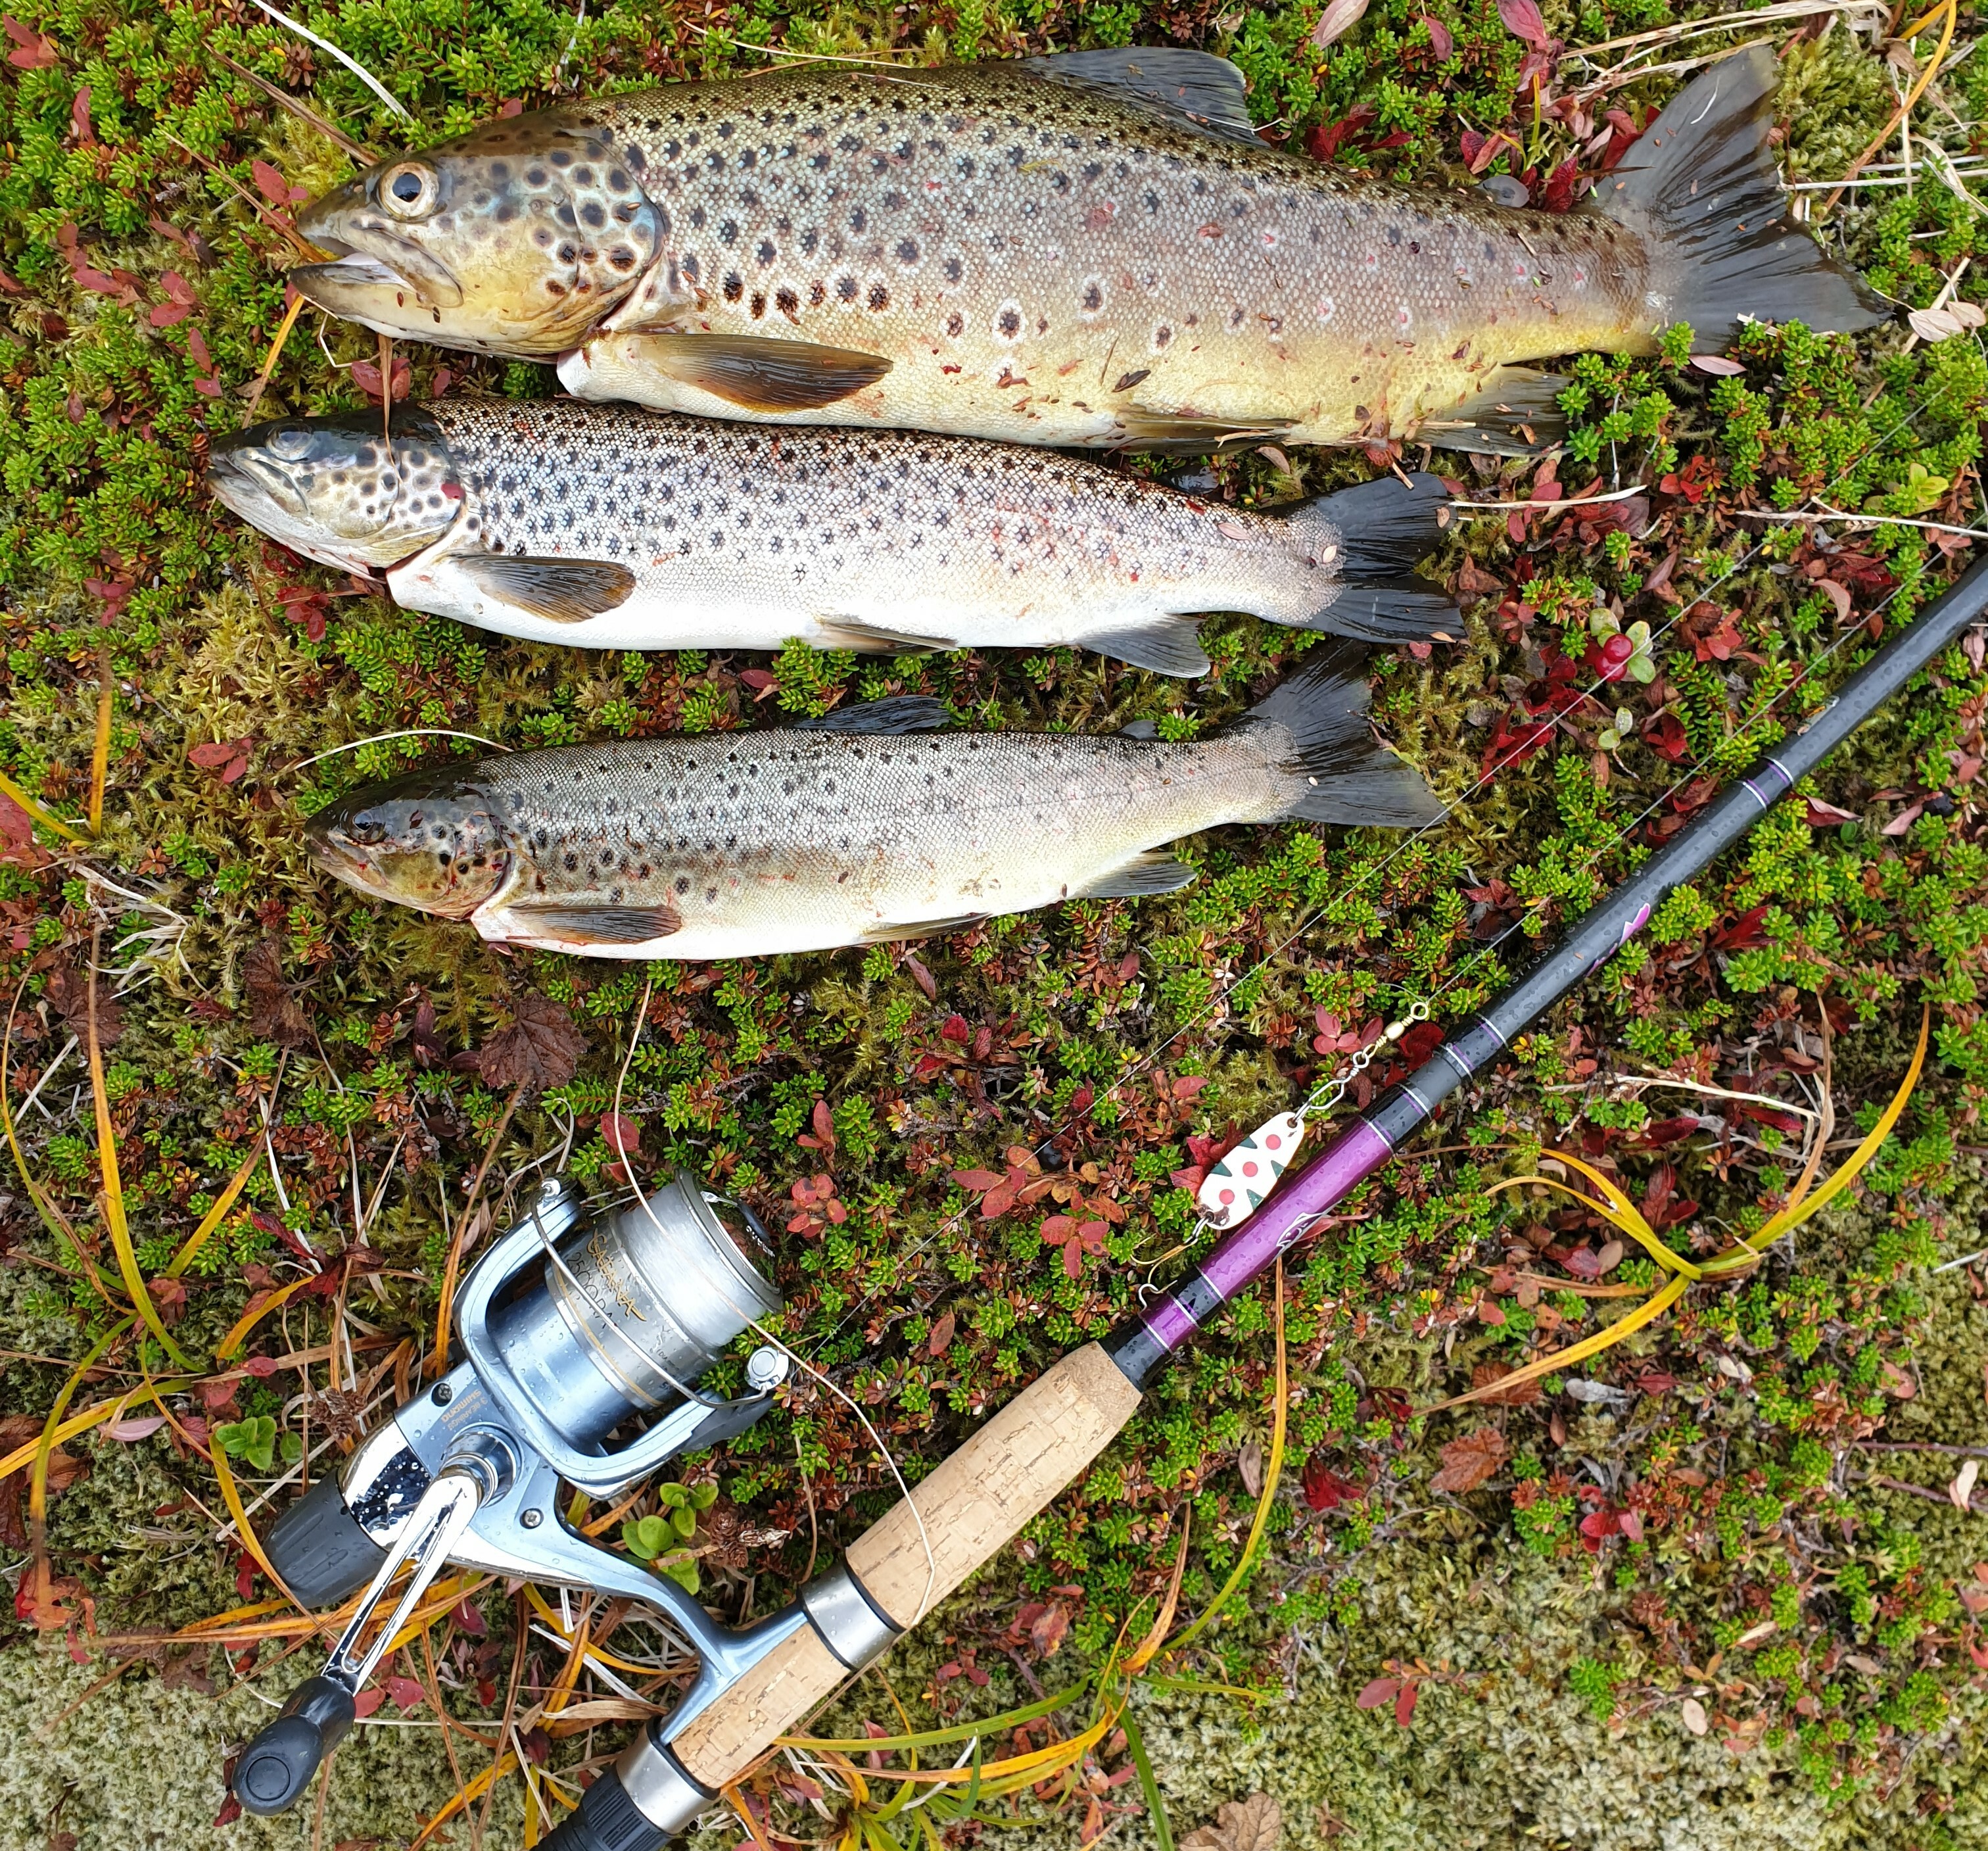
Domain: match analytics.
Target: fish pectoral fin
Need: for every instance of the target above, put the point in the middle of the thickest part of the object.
(1187, 434)
(592, 925)
(1167, 645)
(1198, 88)
(759, 374)
(896, 713)
(867, 638)
(560, 590)
(920, 928)
(1155, 871)
(1518, 414)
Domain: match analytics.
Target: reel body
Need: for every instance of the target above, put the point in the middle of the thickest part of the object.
(624, 1315)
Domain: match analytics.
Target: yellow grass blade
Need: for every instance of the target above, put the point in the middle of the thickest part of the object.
(113, 1188)
(262, 384)
(190, 1251)
(232, 1342)
(1272, 1469)
(94, 1416)
(47, 818)
(99, 756)
(37, 1476)
(1795, 1214)
(1616, 1209)
(1575, 1353)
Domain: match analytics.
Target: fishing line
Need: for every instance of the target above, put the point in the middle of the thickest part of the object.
(766, 1336)
(1449, 809)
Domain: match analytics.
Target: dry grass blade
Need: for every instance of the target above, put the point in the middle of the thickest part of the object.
(262, 382)
(99, 756)
(40, 814)
(113, 1187)
(359, 151)
(1952, 9)
(189, 1250)
(358, 70)
(1273, 1469)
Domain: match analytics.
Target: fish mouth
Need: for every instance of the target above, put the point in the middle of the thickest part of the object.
(268, 502)
(345, 858)
(360, 276)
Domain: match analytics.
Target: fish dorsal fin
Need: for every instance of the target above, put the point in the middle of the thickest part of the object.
(579, 925)
(1205, 92)
(560, 590)
(759, 374)
(1167, 645)
(1155, 871)
(896, 713)
(1140, 729)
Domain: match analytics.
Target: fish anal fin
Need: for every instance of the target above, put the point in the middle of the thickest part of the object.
(1155, 871)
(560, 590)
(1517, 414)
(894, 934)
(1196, 88)
(1189, 434)
(895, 713)
(757, 374)
(1167, 645)
(876, 639)
(592, 925)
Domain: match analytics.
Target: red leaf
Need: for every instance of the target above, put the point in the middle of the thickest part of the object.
(1382, 1690)
(1405, 1704)
(228, 757)
(940, 1340)
(367, 1701)
(1324, 1489)
(231, 1807)
(33, 52)
(1631, 1523)
(273, 186)
(1523, 21)
(406, 1693)
(824, 1128)
(622, 1135)
(954, 1029)
(981, 1179)
(1440, 41)
(1743, 933)
(79, 116)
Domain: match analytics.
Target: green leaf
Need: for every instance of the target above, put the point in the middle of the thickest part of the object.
(682, 1570)
(647, 1537)
(704, 1496)
(684, 1522)
(253, 1440)
(672, 1496)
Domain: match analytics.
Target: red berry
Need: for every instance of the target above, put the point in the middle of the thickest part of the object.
(1610, 659)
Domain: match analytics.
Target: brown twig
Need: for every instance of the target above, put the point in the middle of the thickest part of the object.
(302, 110)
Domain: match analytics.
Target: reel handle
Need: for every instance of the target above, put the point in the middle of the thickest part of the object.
(277, 1765)
(973, 1504)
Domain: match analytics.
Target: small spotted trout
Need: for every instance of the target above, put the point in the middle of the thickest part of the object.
(865, 826)
(615, 528)
(1091, 248)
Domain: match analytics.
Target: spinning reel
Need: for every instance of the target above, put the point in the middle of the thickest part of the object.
(616, 1324)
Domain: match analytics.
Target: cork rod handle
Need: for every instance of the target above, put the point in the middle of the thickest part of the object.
(972, 1505)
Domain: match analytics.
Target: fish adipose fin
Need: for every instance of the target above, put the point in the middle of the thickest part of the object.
(1167, 646)
(1379, 531)
(1342, 773)
(1155, 871)
(1207, 91)
(1701, 188)
(560, 590)
(1517, 415)
(592, 925)
(758, 374)
(897, 713)
(920, 928)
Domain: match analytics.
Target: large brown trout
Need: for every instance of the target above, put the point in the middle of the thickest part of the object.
(615, 528)
(1093, 248)
(859, 828)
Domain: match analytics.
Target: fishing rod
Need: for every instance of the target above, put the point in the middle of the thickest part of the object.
(978, 1499)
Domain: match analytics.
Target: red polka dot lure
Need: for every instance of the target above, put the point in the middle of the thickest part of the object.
(1234, 1188)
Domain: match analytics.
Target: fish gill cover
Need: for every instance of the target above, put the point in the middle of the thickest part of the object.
(1720, 1584)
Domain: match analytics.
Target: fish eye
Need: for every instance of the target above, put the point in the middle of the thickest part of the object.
(410, 189)
(292, 443)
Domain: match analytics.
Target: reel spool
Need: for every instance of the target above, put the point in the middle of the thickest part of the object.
(616, 1322)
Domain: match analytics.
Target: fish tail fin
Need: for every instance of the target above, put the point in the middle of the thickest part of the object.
(1358, 550)
(1313, 727)
(1701, 188)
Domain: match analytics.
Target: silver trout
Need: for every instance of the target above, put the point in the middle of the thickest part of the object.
(863, 826)
(1093, 248)
(618, 529)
